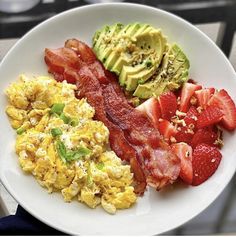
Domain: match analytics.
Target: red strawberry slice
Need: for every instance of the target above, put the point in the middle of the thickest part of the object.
(167, 129)
(184, 152)
(206, 160)
(211, 115)
(203, 96)
(168, 105)
(204, 135)
(191, 117)
(223, 101)
(184, 134)
(186, 94)
(152, 110)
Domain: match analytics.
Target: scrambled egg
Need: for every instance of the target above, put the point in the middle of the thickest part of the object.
(63, 147)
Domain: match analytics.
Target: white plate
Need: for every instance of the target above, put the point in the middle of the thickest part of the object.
(155, 212)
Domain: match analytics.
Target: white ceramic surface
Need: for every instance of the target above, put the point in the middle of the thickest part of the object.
(155, 212)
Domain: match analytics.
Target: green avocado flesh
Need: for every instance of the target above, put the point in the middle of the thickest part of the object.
(140, 55)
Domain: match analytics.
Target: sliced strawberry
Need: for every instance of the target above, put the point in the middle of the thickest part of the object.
(211, 115)
(167, 129)
(152, 110)
(184, 134)
(203, 96)
(168, 105)
(206, 160)
(184, 152)
(186, 94)
(204, 135)
(223, 101)
(191, 117)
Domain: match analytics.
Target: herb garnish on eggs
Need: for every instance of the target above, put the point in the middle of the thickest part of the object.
(60, 144)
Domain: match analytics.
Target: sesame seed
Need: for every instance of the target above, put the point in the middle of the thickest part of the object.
(194, 117)
(179, 113)
(199, 109)
(172, 139)
(190, 131)
(191, 126)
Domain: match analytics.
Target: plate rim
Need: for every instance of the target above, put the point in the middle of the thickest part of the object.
(101, 5)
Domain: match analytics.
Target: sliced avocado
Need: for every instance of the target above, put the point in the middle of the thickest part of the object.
(147, 41)
(96, 37)
(120, 56)
(133, 29)
(99, 36)
(133, 80)
(156, 42)
(104, 39)
(171, 75)
(140, 56)
(105, 51)
(129, 70)
(150, 45)
(124, 30)
(115, 53)
(150, 88)
(142, 28)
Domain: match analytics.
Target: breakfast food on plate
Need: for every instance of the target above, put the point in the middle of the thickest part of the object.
(63, 147)
(190, 123)
(147, 65)
(132, 136)
(163, 136)
(118, 117)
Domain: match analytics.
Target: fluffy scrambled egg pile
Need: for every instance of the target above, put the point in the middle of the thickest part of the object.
(63, 147)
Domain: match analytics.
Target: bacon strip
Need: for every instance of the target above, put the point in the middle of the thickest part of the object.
(159, 163)
(136, 134)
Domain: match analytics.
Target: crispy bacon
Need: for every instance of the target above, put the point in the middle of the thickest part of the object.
(132, 136)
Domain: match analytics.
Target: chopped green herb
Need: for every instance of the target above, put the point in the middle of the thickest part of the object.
(74, 122)
(83, 151)
(57, 108)
(100, 165)
(61, 150)
(70, 155)
(65, 118)
(148, 63)
(56, 132)
(19, 131)
(77, 154)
